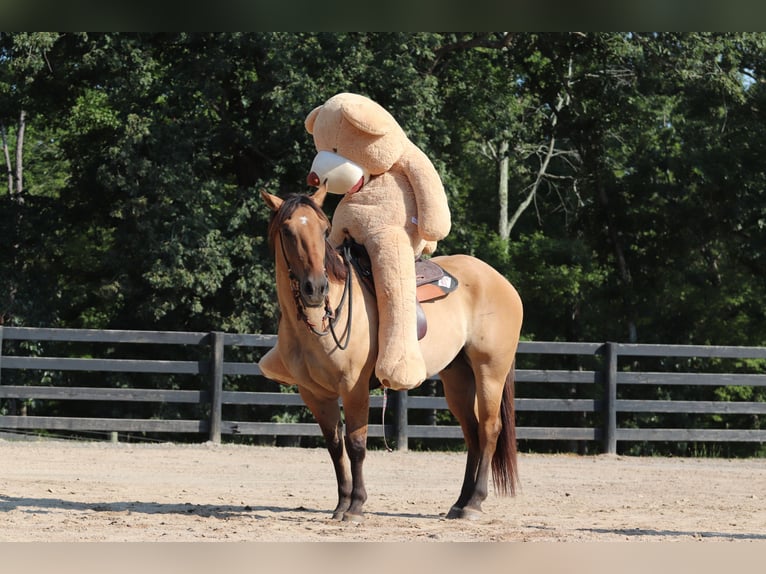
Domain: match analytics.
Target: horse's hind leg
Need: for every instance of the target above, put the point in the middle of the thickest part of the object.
(460, 392)
(327, 413)
(474, 396)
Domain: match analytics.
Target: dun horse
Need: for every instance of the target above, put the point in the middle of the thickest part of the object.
(470, 342)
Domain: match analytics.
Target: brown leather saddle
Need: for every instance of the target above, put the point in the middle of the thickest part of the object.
(431, 281)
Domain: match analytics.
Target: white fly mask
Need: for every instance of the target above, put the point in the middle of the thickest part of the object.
(339, 174)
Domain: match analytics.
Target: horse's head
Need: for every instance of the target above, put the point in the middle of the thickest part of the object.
(299, 230)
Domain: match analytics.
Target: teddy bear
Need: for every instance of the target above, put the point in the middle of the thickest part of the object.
(393, 203)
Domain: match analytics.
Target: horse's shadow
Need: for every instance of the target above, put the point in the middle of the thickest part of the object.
(220, 511)
(647, 532)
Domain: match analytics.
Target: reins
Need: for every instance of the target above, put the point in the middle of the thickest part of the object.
(347, 291)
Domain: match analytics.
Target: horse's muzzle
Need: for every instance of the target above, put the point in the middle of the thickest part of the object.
(314, 291)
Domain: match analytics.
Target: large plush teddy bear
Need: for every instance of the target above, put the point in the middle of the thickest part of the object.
(397, 208)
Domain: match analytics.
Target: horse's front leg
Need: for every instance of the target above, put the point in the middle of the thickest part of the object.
(327, 413)
(356, 407)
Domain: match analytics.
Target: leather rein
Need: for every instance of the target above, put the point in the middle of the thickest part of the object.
(330, 318)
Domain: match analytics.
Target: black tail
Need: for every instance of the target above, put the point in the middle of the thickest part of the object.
(504, 468)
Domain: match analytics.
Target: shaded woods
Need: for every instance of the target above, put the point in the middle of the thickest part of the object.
(617, 179)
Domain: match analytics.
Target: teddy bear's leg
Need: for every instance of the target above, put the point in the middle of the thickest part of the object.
(400, 363)
(273, 368)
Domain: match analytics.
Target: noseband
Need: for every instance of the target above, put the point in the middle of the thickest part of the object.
(330, 318)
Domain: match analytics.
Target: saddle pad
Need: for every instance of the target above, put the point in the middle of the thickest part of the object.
(427, 271)
(432, 281)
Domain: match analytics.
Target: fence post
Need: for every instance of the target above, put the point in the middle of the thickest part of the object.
(216, 385)
(610, 398)
(400, 422)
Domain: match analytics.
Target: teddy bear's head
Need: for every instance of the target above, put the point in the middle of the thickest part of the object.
(358, 129)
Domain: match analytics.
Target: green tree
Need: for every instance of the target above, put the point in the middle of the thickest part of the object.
(568, 159)
(34, 175)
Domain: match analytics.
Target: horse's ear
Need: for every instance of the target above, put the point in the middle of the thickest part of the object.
(272, 201)
(319, 195)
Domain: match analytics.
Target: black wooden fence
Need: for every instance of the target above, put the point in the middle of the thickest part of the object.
(608, 381)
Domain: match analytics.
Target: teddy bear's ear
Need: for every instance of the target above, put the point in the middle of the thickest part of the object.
(311, 118)
(368, 116)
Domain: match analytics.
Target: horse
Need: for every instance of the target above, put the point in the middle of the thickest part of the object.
(471, 342)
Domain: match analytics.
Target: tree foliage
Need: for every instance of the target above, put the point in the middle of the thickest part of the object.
(632, 209)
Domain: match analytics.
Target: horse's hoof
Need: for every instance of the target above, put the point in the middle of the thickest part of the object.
(472, 514)
(355, 518)
(455, 512)
(338, 515)
(464, 513)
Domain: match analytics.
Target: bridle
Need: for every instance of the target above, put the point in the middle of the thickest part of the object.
(330, 318)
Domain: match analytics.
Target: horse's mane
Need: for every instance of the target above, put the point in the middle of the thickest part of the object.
(336, 271)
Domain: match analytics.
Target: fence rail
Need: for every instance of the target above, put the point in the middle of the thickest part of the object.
(606, 380)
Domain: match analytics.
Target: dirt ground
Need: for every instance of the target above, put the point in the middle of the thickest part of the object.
(72, 491)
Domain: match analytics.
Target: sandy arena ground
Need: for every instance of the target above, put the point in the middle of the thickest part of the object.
(70, 491)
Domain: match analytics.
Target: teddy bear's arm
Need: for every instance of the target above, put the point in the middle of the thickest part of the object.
(434, 219)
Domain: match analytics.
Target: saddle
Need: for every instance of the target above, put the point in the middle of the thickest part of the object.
(431, 280)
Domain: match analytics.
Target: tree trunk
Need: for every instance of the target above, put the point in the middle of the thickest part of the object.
(7, 154)
(503, 225)
(20, 152)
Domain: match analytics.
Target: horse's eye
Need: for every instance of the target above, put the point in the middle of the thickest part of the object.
(287, 231)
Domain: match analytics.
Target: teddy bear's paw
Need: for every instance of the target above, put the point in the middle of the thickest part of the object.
(405, 374)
